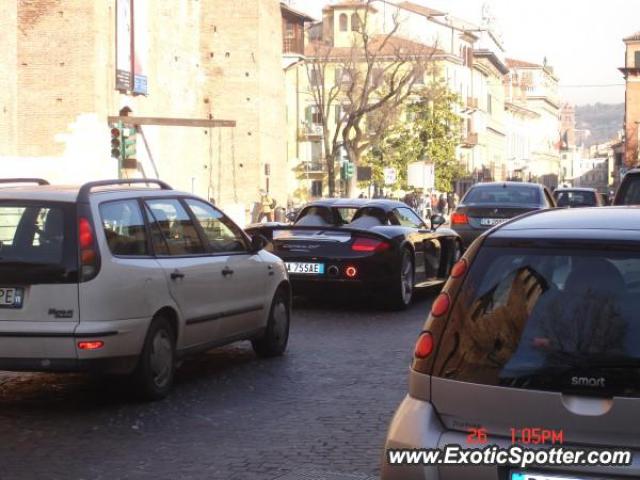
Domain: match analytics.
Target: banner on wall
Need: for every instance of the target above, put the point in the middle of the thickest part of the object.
(140, 46)
(123, 45)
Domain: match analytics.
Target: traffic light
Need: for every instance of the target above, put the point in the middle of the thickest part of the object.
(350, 170)
(129, 148)
(116, 142)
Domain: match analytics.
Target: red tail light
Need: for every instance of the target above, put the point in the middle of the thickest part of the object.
(88, 253)
(351, 271)
(459, 219)
(85, 233)
(95, 345)
(459, 269)
(363, 244)
(441, 305)
(424, 346)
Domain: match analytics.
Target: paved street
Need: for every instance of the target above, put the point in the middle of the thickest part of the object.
(320, 412)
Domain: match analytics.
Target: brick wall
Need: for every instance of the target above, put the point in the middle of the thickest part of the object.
(206, 57)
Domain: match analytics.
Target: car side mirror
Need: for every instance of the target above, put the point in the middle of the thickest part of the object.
(258, 242)
(437, 220)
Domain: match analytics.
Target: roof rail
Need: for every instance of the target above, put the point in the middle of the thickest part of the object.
(85, 190)
(39, 181)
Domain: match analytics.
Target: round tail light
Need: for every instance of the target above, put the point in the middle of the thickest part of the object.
(441, 305)
(424, 345)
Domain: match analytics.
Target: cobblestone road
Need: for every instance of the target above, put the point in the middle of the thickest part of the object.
(320, 412)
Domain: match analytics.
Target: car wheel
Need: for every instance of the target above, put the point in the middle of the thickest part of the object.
(274, 341)
(153, 376)
(402, 290)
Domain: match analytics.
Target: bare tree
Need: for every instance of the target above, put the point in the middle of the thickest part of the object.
(374, 77)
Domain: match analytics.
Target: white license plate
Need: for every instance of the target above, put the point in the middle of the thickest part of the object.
(539, 476)
(305, 268)
(11, 297)
(492, 222)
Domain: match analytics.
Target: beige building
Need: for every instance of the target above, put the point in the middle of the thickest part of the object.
(69, 65)
(534, 88)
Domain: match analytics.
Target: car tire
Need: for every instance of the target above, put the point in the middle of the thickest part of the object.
(403, 286)
(274, 341)
(153, 376)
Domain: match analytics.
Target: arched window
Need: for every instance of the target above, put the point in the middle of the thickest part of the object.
(344, 22)
(355, 22)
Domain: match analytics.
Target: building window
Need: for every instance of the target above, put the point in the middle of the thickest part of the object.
(343, 77)
(344, 22)
(316, 152)
(489, 103)
(637, 57)
(316, 188)
(313, 115)
(355, 23)
(314, 77)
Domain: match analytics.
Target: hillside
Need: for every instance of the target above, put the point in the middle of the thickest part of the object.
(603, 120)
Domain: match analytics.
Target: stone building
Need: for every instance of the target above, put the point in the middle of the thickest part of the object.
(70, 65)
(631, 72)
(535, 87)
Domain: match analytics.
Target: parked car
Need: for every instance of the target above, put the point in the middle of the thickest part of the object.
(486, 205)
(628, 192)
(111, 278)
(536, 328)
(378, 246)
(578, 197)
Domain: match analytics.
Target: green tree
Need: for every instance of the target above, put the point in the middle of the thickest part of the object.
(430, 130)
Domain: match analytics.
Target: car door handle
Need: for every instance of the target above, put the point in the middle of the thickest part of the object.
(176, 275)
(227, 271)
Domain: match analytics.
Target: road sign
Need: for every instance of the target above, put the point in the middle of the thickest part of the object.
(390, 176)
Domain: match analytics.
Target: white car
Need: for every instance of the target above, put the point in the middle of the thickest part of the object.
(119, 278)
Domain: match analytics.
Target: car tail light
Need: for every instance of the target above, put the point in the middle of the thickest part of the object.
(88, 253)
(441, 305)
(363, 244)
(459, 269)
(351, 271)
(424, 346)
(459, 219)
(93, 345)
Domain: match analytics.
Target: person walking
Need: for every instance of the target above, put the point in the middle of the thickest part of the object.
(267, 206)
(442, 204)
(450, 205)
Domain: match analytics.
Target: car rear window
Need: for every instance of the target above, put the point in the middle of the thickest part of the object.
(561, 320)
(35, 244)
(630, 190)
(501, 195)
(576, 199)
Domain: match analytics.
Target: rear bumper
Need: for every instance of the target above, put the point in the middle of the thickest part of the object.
(416, 425)
(115, 365)
(53, 346)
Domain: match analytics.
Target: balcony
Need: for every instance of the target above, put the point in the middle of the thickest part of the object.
(470, 140)
(293, 45)
(314, 166)
(310, 132)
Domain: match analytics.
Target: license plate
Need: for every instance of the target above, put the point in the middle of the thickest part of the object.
(539, 476)
(11, 297)
(305, 268)
(492, 222)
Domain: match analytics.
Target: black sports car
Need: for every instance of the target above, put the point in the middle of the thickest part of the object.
(381, 246)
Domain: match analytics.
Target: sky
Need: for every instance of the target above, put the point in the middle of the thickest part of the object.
(582, 39)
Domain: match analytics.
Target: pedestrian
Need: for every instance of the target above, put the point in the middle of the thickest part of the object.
(450, 205)
(456, 200)
(442, 204)
(427, 206)
(267, 206)
(422, 201)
